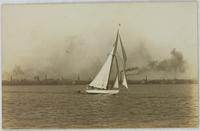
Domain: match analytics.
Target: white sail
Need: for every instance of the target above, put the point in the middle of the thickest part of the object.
(124, 82)
(116, 84)
(123, 51)
(101, 79)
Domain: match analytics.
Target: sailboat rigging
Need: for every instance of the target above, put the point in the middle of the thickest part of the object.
(100, 84)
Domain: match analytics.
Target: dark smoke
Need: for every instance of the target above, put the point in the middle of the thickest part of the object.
(131, 69)
(75, 55)
(175, 64)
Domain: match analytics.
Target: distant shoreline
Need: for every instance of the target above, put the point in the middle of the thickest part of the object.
(79, 82)
(87, 84)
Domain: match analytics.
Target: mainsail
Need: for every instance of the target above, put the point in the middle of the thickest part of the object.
(101, 79)
(123, 51)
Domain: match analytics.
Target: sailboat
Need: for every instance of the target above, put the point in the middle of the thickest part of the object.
(100, 84)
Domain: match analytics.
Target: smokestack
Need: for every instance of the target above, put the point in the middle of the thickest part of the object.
(146, 78)
(78, 79)
(45, 76)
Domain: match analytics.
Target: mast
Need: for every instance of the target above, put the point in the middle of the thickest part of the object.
(117, 67)
(115, 48)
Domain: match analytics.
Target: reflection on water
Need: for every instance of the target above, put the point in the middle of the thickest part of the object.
(63, 107)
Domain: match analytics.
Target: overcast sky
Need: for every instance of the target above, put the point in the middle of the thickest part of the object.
(67, 39)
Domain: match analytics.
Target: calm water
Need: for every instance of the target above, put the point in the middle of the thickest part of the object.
(63, 107)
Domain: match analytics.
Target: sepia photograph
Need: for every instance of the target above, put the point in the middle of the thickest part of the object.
(100, 65)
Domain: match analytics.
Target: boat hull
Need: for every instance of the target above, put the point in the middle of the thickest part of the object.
(102, 91)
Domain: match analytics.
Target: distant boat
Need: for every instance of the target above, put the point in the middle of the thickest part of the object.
(100, 84)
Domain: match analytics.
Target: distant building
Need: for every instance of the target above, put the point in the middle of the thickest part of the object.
(45, 78)
(36, 78)
(143, 81)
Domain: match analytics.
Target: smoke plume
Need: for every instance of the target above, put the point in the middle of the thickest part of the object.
(174, 64)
